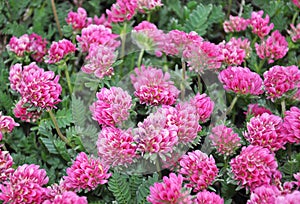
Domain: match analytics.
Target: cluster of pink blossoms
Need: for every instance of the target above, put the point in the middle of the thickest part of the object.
(254, 166)
(122, 10)
(260, 26)
(148, 5)
(153, 87)
(295, 32)
(278, 80)
(204, 106)
(241, 80)
(33, 44)
(225, 140)
(291, 125)
(7, 124)
(6, 162)
(78, 19)
(58, 50)
(256, 110)
(67, 198)
(266, 130)
(235, 24)
(85, 173)
(234, 51)
(198, 169)
(206, 197)
(112, 106)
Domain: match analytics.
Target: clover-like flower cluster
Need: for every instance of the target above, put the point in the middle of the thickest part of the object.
(7, 124)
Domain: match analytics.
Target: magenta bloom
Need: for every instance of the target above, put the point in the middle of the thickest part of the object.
(295, 32)
(296, 2)
(7, 124)
(112, 106)
(264, 194)
(257, 110)
(265, 130)
(260, 26)
(206, 197)
(102, 21)
(78, 19)
(6, 162)
(291, 198)
(225, 140)
(198, 169)
(122, 10)
(204, 106)
(99, 61)
(116, 147)
(25, 185)
(59, 50)
(169, 191)
(235, 24)
(278, 80)
(274, 48)
(67, 198)
(148, 5)
(241, 81)
(98, 35)
(19, 45)
(85, 173)
(232, 53)
(22, 112)
(153, 87)
(254, 167)
(291, 125)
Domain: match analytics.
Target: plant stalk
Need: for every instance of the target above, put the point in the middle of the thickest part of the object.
(52, 116)
(233, 102)
(68, 79)
(140, 59)
(56, 18)
(182, 87)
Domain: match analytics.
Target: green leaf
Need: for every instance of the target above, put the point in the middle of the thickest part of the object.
(175, 6)
(49, 145)
(79, 110)
(144, 188)
(119, 186)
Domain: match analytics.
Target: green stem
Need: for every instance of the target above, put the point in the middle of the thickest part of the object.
(140, 58)
(233, 102)
(56, 18)
(158, 169)
(283, 108)
(295, 17)
(148, 16)
(68, 79)
(182, 87)
(123, 39)
(52, 116)
(258, 67)
(199, 83)
(289, 151)
(229, 8)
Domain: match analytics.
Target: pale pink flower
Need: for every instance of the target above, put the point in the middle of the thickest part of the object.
(19, 45)
(58, 50)
(273, 48)
(98, 35)
(296, 2)
(291, 198)
(99, 61)
(122, 10)
(54, 190)
(278, 80)
(198, 169)
(78, 19)
(148, 5)
(6, 162)
(86, 173)
(235, 24)
(264, 194)
(153, 87)
(260, 26)
(112, 106)
(265, 130)
(254, 167)
(37, 47)
(25, 185)
(256, 110)
(116, 147)
(170, 191)
(204, 106)
(22, 111)
(67, 198)
(206, 197)
(291, 125)
(102, 21)
(295, 32)
(241, 80)
(7, 124)
(225, 140)
(15, 76)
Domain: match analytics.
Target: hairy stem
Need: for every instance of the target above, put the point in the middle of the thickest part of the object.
(52, 116)
(56, 18)
(199, 83)
(283, 108)
(241, 8)
(295, 17)
(123, 39)
(233, 102)
(140, 58)
(229, 8)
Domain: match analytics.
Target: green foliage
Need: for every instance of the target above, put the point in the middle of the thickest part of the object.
(119, 186)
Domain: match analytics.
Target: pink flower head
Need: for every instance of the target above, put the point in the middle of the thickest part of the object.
(169, 191)
(260, 26)
(291, 198)
(275, 47)
(264, 194)
(98, 35)
(67, 198)
(7, 124)
(241, 80)
(59, 50)
(100, 60)
(116, 147)
(112, 106)
(15, 77)
(206, 197)
(254, 167)
(22, 111)
(37, 47)
(278, 80)
(265, 130)
(257, 110)
(235, 24)
(78, 19)
(291, 125)
(295, 32)
(156, 134)
(85, 173)
(102, 21)
(225, 140)
(19, 45)
(25, 185)
(147, 37)
(153, 87)
(148, 5)
(122, 10)
(204, 106)
(296, 2)
(198, 169)
(6, 162)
